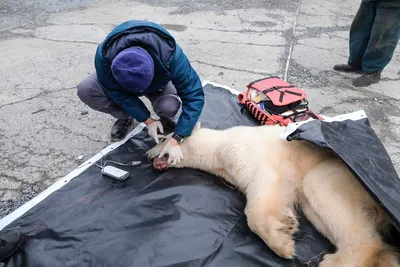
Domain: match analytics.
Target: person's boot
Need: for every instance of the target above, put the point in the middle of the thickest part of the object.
(10, 242)
(120, 128)
(367, 79)
(347, 68)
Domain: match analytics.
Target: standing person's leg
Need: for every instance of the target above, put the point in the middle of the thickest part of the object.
(166, 105)
(382, 44)
(360, 32)
(91, 93)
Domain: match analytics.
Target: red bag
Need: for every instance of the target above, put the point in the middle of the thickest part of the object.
(273, 101)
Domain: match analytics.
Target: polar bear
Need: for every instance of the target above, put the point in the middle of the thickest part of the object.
(277, 175)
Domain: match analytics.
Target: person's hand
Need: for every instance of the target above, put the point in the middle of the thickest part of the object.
(153, 126)
(174, 151)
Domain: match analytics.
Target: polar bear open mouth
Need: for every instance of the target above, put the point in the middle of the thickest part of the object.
(161, 164)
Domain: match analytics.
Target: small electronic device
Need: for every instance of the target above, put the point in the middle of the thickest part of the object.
(115, 173)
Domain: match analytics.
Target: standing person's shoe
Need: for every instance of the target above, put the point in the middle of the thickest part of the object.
(367, 79)
(347, 68)
(10, 242)
(120, 128)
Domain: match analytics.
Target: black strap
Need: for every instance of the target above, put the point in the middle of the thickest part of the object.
(282, 93)
(276, 88)
(281, 96)
(284, 86)
(292, 93)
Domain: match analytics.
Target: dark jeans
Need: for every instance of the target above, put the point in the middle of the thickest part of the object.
(166, 103)
(374, 35)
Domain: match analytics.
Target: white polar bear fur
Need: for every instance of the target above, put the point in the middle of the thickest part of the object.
(275, 175)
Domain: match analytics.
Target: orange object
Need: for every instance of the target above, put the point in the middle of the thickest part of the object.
(281, 104)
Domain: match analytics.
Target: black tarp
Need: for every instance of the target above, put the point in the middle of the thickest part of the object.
(181, 217)
(360, 148)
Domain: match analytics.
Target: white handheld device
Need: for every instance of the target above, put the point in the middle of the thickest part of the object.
(115, 173)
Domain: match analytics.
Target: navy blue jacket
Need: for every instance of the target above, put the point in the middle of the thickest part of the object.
(170, 64)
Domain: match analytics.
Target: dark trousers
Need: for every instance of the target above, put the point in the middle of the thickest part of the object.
(374, 35)
(166, 103)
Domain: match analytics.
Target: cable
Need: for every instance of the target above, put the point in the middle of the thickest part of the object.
(132, 163)
(114, 172)
(101, 167)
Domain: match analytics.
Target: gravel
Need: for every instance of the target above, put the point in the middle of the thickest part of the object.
(7, 207)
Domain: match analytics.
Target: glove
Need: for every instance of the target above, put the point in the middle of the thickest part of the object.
(153, 130)
(174, 153)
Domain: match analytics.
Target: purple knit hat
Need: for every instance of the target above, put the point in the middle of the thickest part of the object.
(133, 68)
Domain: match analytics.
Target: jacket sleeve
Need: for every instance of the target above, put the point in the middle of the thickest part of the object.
(189, 89)
(131, 104)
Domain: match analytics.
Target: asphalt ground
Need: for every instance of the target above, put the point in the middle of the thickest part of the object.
(47, 47)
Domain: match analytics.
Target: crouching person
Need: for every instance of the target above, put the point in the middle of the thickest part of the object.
(141, 58)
